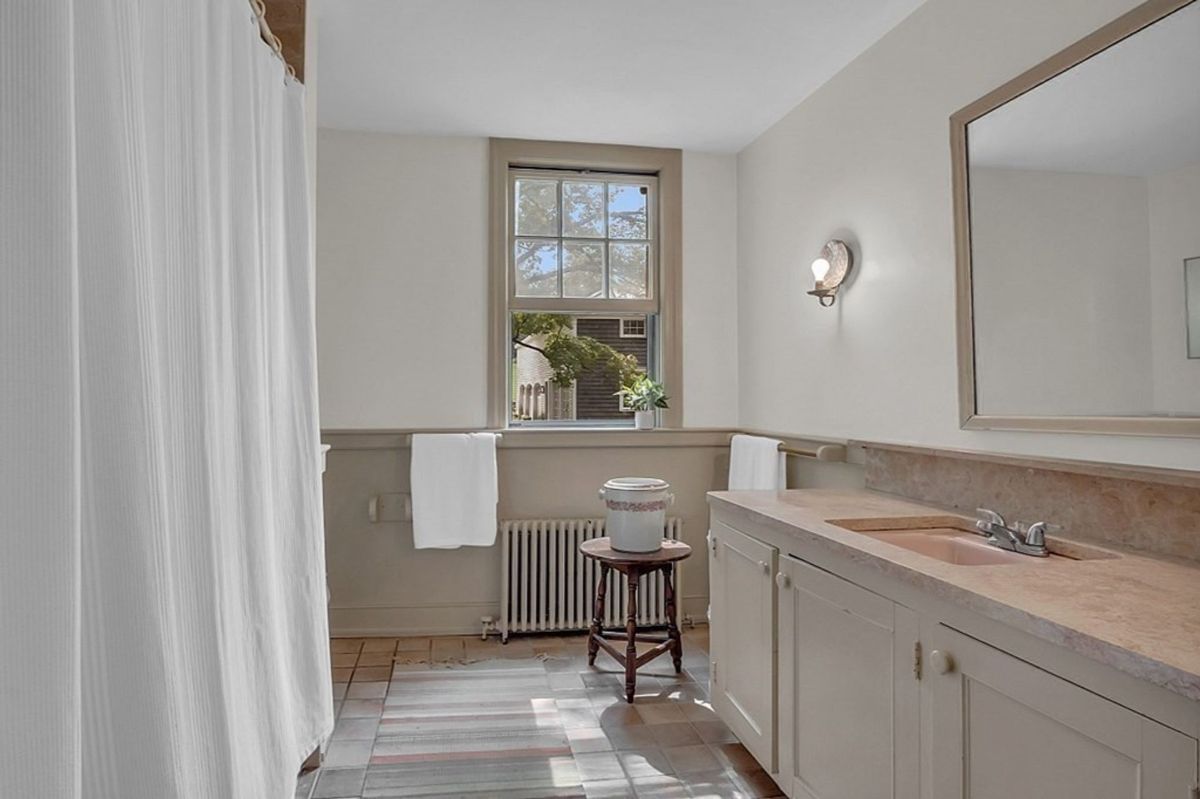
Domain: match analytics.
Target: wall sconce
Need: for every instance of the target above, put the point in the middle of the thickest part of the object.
(830, 270)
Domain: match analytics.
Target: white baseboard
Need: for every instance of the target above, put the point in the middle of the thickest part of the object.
(410, 620)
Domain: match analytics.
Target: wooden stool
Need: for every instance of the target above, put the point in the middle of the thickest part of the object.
(633, 565)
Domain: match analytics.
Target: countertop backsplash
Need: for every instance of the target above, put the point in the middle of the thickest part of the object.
(1156, 512)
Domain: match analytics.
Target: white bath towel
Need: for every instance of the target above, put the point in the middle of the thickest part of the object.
(755, 463)
(454, 490)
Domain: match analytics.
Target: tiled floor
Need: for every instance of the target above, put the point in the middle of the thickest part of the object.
(452, 717)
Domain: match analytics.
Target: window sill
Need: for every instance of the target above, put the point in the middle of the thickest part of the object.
(612, 437)
(544, 438)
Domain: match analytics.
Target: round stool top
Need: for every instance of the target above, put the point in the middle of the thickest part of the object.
(601, 549)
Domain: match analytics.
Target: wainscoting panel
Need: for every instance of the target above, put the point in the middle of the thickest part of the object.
(380, 585)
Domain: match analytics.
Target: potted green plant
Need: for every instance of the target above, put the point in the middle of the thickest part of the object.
(643, 396)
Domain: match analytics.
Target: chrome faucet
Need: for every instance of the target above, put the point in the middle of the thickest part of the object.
(991, 526)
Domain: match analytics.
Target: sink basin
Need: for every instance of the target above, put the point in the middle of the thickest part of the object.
(952, 539)
(951, 546)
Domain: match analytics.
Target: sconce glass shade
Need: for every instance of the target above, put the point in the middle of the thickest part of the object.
(820, 268)
(830, 270)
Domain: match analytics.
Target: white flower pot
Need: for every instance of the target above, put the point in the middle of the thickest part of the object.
(636, 512)
(643, 420)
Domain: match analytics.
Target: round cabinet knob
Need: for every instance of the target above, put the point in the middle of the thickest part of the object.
(766, 567)
(941, 661)
(783, 581)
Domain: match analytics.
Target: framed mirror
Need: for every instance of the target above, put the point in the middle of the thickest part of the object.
(1076, 201)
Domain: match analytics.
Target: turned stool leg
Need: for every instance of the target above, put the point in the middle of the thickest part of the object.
(598, 619)
(672, 627)
(631, 636)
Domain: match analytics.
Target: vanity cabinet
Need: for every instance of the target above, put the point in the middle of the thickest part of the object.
(847, 685)
(742, 640)
(1001, 727)
(849, 698)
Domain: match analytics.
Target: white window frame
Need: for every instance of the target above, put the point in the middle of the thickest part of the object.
(622, 332)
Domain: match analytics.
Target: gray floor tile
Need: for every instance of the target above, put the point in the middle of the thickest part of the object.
(336, 783)
(305, 783)
(640, 763)
(530, 721)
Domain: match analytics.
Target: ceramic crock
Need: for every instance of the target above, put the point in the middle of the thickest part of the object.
(636, 512)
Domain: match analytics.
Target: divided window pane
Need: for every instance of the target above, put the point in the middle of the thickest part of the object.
(536, 268)
(628, 268)
(583, 269)
(586, 238)
(537, 207)
(583, 210)
(627, 214)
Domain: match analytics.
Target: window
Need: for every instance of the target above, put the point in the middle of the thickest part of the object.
(584, 280)
(633, 328)
(577, 236)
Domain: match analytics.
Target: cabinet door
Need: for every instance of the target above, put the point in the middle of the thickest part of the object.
(742, 638)
(849, 695)
(1002, 728)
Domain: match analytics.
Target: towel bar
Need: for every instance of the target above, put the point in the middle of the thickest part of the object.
(821, 452)
(408, 438)
(824, 452)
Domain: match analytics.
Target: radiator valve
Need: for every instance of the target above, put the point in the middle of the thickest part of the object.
(489, 626)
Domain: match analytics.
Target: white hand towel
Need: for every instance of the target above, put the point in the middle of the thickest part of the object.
(755, 464)
(454, 490)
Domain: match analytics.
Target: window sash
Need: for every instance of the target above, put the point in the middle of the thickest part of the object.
(648, 305)
(653, 369)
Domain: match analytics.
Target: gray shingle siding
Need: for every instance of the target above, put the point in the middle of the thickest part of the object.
(595, 389)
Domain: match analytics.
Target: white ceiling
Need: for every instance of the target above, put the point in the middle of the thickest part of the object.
(1133, 109)
(695, 74)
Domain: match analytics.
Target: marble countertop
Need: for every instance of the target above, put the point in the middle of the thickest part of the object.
(1138, 614)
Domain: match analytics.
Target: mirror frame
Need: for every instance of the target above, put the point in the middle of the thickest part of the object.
(1119, 29)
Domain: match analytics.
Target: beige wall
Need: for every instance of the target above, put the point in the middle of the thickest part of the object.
(401, 260)
(402, 332)
(1099, 258)
(1174, 236)
(866, 157)
(710, 355)
(1061, 254)
(401, 282)
(379, 584)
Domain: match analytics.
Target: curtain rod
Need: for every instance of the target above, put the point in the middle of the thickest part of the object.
(264, 30)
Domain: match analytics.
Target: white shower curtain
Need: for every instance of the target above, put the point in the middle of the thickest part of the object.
(162, 623)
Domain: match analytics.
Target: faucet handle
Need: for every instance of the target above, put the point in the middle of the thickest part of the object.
(989, 517)
(1035, 536)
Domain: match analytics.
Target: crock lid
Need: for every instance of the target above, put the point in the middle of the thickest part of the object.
(637, 484)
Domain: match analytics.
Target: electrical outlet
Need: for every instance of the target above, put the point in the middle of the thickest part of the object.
(390, 508)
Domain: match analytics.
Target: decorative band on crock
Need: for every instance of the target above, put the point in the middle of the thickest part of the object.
(636, 507)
